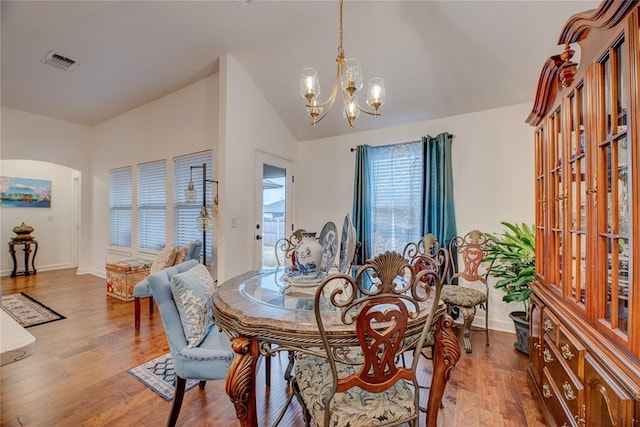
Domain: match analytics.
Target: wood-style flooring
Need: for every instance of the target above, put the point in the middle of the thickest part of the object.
(78, 374)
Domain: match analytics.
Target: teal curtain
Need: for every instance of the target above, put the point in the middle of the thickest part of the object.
(437, 198)
(377, 190)
(362, 205)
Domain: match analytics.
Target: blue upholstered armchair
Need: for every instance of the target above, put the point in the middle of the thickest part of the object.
(142, 290)
(209, 360)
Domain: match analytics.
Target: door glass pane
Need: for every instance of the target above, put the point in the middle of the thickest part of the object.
(273, 212)
(606, 65)
(621, 73)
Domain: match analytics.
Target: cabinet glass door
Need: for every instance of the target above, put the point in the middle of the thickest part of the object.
(556, 197)
(541, 203)
(613, 207)
(577, 199)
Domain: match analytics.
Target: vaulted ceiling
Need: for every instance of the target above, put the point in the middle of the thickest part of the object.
(438, 58)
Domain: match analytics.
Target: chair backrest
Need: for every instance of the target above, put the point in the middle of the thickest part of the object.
(160, 284)
(470, 251)
(385, 298)
(193, 252)
(284, 247)
(428, 254)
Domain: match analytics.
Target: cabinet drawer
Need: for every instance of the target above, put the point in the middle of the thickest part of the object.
(572, 351)
(552, 399)
(550, 325)
(571, 390)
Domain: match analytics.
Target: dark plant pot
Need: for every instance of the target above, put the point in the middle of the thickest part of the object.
(522, 331)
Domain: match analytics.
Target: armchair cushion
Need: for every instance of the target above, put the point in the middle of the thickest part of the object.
(181, 254)
(192, 292)
(165, 259)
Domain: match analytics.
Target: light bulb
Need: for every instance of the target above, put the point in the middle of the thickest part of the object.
(376, 93)
(309, 85)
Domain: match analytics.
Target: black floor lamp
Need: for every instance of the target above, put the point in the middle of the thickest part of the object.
(204, 221)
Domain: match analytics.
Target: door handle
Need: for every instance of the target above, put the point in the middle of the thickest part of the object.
(258, 236)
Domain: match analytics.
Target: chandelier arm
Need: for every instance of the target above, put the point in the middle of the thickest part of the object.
(330, 101)
(371, 113)
(332, 97)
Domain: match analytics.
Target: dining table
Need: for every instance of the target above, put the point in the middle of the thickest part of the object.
(263, 311)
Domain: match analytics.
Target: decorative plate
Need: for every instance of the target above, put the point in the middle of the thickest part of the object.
(329, 241)
(296, 278)
(345, 245)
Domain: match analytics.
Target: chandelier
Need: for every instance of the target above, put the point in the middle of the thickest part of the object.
(348, 83)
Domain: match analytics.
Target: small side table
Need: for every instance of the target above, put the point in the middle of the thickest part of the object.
(28, 253)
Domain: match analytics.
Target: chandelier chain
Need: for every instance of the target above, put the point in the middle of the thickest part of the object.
(340, 48)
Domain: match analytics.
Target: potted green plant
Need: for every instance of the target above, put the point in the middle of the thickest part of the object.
(513, 256)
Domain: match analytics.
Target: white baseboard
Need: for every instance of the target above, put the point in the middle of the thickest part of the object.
(501, 325)
(94, 271)
(40, 268)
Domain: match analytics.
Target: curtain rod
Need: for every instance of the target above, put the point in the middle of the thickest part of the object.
(352, 149)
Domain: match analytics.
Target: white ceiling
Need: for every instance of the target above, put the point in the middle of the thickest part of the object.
(438, 58)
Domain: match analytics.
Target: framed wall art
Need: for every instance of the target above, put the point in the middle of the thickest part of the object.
(18, 192)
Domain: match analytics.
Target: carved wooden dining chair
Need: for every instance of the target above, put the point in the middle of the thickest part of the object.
(428, 254)
(471, 291)
(367, 385)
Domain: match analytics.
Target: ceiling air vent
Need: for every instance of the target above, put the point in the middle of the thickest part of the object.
(57, 60)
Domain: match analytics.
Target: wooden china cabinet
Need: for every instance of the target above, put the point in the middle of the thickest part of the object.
(585, 324)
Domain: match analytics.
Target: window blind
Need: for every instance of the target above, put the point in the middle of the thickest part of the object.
(396, 195)
(185, 214)
(152, 205)
(120, 201)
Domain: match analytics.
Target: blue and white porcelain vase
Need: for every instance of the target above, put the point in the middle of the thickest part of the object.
(308, 254)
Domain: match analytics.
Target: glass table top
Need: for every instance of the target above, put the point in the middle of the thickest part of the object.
(274, 288)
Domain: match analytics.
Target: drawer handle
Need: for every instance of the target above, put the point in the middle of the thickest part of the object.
(548, 325)
(546, 355)
(568, 391)
(546, 391)
(566, 352)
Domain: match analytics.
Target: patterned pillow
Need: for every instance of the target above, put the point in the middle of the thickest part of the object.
(181, 254)
(164, 259)
(192, 292)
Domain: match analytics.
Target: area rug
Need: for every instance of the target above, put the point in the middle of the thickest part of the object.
(158, 375)
(27, 311)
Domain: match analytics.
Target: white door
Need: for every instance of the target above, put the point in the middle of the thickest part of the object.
(273, 206)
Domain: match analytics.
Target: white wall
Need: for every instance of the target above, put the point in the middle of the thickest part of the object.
(45, 148)
(53, 227)
(180, 123)
(248, 124)
(493, 175)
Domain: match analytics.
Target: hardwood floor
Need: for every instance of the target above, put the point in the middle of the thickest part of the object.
(78, 374)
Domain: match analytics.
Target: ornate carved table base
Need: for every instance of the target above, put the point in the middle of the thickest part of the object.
(241, 380)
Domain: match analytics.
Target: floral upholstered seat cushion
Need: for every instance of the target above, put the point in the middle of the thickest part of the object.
(462, 296)
(355, 407)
